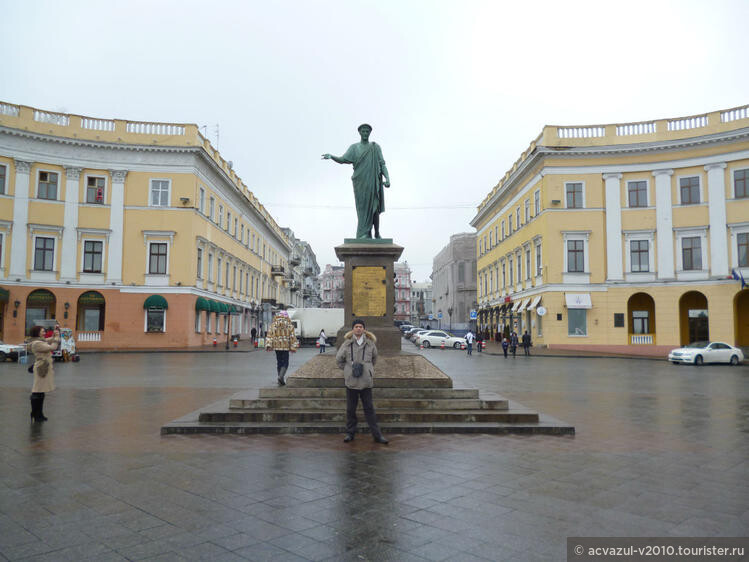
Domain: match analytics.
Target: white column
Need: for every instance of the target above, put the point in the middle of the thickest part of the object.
(69, 239)
(716, 188)
(664, 228)
(116, 224)
(20, 219)
(613, 227)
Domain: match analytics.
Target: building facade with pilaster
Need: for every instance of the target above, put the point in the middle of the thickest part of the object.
(402, 292)
(331, 286)
(454, 282)
(134, 235)
(627, 237)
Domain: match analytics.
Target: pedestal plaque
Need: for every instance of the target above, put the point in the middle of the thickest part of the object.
(369, 289)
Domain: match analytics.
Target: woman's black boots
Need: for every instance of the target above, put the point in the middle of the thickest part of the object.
(37, 407)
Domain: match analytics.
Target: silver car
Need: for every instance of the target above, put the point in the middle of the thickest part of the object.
(701, 352)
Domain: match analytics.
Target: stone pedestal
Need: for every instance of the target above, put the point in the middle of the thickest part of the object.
(369, 289)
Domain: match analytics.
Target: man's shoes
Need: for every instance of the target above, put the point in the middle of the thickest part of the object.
(380, 439)
(349, 437)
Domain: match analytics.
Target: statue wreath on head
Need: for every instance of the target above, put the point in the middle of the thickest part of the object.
(370, 176)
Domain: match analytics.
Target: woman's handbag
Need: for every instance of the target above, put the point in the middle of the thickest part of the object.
(357, 368)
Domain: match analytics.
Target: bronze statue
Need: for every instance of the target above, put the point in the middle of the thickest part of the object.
(369, 173)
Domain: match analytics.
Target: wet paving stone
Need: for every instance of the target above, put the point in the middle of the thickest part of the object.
(659, 450)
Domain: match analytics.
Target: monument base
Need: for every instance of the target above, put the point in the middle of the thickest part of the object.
(369, 289)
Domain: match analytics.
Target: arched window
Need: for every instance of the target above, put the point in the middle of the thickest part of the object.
(91, 307)
(40, 305)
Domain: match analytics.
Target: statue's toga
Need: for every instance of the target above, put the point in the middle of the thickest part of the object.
(369, 173)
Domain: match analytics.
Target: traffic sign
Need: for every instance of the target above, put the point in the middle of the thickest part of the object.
(439, 315)
(474, 315)
(431, 316)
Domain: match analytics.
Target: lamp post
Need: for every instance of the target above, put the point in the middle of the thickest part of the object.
(450, 314)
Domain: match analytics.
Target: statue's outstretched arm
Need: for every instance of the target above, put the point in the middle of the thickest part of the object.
(385, 174)
(336, 159)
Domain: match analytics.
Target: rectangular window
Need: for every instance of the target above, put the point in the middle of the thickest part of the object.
(740, 184)
(517, 218)
(510, 277)
(536, 203)
(3, 175)
(47, 185)
(640, 322)
(690, 190)
(92, 252)
(220, 215)
(691, 253)
(539, 320)
(504, 278)
(461, 273)
(538, 260)
(639, 252)
(44, 254)
(575, 256)
(247, 284)
(637, 192)
(210, 268)
(198, 314)
(742, 241)
(218, 270)
(155, 320)
(95, 190)
(577, 324)
(157, 258)
(234, 279)
(574, 193)
(520, 268)
(211, 208)
(241, 233)
(527, 210)
(509, 229)
(503, 230)
(528, 263)
(227, 274)
(236, 222)
(159, 193)
(200, 263)
(496, 234)
(201, 201)
(228, 221)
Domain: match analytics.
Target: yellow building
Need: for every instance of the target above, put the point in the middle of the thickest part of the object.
(621, 237)
(135, 235)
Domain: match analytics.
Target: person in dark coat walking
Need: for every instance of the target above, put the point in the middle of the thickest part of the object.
(253, 335)
(513, 343)
(505, 345)
(479, 341)
(527, 343)
(359, 347)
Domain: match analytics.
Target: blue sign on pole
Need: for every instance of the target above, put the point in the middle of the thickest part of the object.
(473, 315)
(439, 315)
(431, 316)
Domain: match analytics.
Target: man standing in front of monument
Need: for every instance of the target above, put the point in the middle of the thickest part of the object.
(370, 176)
(357, 357)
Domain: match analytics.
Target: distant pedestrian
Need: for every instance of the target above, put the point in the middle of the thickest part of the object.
(513, 342)
(469, 341)
(479, 341)
(322, 341)
(44, 373)
(527, 343)
(505, 345)
(281, 339)
(253, 335)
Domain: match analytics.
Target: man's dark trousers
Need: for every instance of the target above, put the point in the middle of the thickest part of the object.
(282, 359)
(352, 401)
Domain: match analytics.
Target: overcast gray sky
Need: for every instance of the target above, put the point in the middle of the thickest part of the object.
(455, 90)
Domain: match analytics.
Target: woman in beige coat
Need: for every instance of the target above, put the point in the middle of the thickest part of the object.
(44, 373)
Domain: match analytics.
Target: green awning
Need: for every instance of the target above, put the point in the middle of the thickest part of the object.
(156, 301)
(4, 295)
(202, 304)
(223, 308)
(213, 306)
(40, 297)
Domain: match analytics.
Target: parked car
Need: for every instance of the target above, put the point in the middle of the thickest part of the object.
(408, 333)
(405, 327)
(415, 335)
(10, 350)
(434, 338)
(706, 352)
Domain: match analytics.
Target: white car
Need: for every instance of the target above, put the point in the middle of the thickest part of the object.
(414, 336)
(10, 350)
(435, 338)
(701, 352)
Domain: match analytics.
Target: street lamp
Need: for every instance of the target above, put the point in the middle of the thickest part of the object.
(450, 314)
